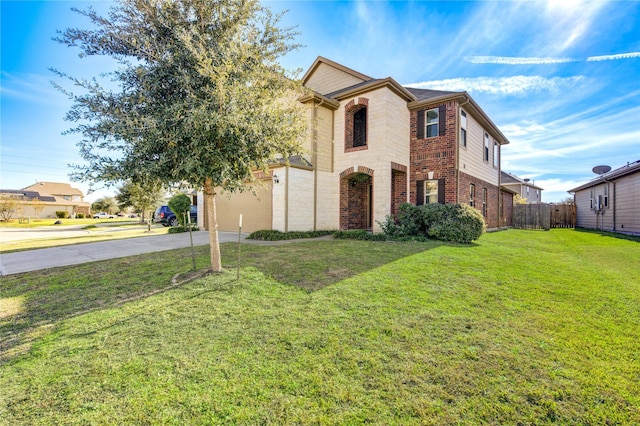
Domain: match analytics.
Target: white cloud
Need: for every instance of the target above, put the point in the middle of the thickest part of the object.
(629, 55)
(518, 85)
(508, 60)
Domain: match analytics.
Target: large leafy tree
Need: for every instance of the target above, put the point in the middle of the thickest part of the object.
(200, 95)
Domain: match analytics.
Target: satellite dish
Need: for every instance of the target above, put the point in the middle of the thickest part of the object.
(527, 180)
(600, 170)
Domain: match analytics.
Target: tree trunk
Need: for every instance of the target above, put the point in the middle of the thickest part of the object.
(210, 202)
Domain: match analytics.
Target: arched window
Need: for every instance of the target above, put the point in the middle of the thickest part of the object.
(360, 128)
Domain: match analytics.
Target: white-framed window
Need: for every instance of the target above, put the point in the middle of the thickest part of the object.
(496, 154)
(606, 195)
(486, 148)
(472, 195)
(463, 128)
(591, 197)
(431, 191)
(484, 201)
(431, 123)
(527, 191)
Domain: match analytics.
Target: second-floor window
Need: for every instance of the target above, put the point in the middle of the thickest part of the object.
(463, 128)
(431, 123)
(356, 132)
(486, 148)
(360, 128)
(496, 155)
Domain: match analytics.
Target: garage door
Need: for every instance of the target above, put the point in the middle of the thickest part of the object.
(256, 210)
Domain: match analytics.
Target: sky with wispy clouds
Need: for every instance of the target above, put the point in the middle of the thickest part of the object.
(560, 78)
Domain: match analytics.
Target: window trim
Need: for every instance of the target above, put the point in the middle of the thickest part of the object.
(463, 128)
(484, 201)
(436, 123)
(431, 194)
(485, 152)
(472, 195)
(496, 154)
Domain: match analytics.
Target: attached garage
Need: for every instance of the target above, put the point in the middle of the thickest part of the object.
(256, 209)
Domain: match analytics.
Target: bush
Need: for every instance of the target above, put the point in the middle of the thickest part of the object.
(458, 223)
(180, 229)
(180, 204)
(359, 234)
(79, 215)
(273, 235)
(61, 214)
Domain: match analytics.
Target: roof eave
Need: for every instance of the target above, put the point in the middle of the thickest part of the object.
(320, 99)
(464, 98)
(388, 82)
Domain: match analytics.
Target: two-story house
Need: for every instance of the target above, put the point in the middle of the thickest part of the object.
(374, 145)
(526, 188)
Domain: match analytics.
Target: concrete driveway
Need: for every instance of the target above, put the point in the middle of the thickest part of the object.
(33, 260)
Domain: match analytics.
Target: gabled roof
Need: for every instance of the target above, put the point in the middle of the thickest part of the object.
(629, 169)
(370, 85)
(415, 98)
(428, 94)
(319, 60)
(509, 179)
(54, 188)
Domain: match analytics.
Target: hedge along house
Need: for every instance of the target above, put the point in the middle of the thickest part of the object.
(610, 202)
(374, 145)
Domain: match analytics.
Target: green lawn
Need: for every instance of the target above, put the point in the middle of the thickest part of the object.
(523, 327)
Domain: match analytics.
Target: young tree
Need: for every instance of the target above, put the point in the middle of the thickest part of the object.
(143, 197)
(9, 204)
(106, 204)
(200, 98)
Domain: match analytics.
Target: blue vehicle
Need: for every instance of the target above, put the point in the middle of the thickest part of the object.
(166, 217)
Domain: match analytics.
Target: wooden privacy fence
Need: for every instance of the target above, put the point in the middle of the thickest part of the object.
(544, 216)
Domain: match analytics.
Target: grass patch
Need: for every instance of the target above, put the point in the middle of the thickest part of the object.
(94, 234)
(34, 223)
(522, 327)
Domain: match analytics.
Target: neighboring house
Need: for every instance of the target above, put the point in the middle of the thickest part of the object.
(527, 189)
(52, 197)
(375, 145)
(610, 202)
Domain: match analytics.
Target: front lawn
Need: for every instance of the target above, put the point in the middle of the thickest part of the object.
(522, 327)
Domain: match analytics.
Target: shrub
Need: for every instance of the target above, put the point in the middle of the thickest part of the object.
(273, 235)
(180, 229)
(447, 222)
(457, 223)
(180, 204)
(79, 215)
(61, 214)
(359, 234)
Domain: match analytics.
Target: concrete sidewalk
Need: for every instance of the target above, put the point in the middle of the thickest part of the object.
(33, 260)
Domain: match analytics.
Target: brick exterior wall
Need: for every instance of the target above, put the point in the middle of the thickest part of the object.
(491, 218)
(354, 195)
(398, 191)
(436, 154)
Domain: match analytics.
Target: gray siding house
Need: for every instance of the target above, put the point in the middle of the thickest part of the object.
(610, 202)
(527, 189)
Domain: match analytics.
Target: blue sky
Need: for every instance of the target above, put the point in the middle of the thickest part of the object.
(560, 78)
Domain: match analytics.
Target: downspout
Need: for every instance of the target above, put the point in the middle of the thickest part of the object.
(286, 198)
